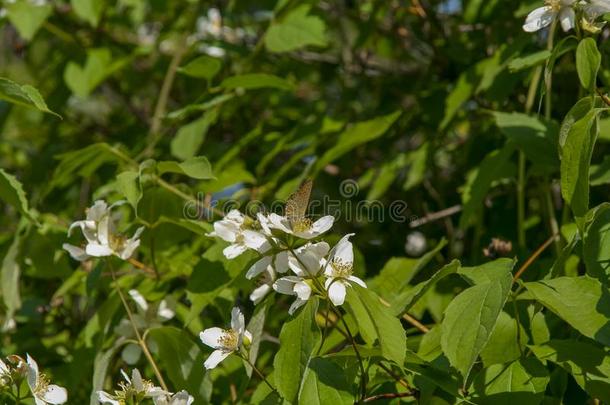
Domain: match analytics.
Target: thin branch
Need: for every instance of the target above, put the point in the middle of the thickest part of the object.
(534, 256)
(390, 395)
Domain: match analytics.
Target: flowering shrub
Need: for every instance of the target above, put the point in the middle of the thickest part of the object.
(304, 202)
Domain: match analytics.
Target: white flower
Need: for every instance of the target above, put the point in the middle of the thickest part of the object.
(179, 398)
(102, 238)
(592, 11)
(235, 229)
(415, 244)
(211, 24)
(308, 259)
(265, 285)
(134, 388)
(302, 228)
(339, 269)
(225, 341)
(543, 16)
(43, 392)
(293, 285)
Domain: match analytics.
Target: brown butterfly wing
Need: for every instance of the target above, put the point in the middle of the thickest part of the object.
(296, 204)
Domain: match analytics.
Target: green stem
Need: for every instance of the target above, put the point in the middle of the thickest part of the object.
(141, 341)
(258, 372)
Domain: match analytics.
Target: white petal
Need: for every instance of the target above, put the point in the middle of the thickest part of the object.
(323, 224)
(138, 299)
(238, 323)
(344, 250)
(259, 293)
(302, 290)
(211, 337)
(254, 240)
(298, 303)
(3, 368)
(357, 281)
(258, 267)
(226, 230)
(216, 357)
(166, 310)
(103, 230)
(32, 369)
(538, 19)
(75, 252)
(97, 210)
(235, 216)
(136, 380)
(106, 398)
(97, 250)
(567, 17)
(280, 262)
(278, 222)
(55, 394)
(234, 250)
(285, 285)
(264, 221)
(336, 292)
(130, 246)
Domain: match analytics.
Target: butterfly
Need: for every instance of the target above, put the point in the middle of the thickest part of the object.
(297, 203)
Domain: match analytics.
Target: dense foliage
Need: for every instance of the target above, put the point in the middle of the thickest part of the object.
(306, 202)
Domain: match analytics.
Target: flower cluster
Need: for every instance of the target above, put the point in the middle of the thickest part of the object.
(100, 231)
(288, 244)
(137, 389)
(566, 12)
(15, 370)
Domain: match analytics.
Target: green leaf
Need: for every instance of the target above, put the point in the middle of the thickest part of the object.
(296, 30)
(325, 382)
(27, 16)
(471, 318)
(523, 381)
(536, 138)
(356, 135)
(23, 95)
(197, 168)
(11, 191)
(88, 10)
(410, 298)
(587, 363)
(528, 61)
(256, 81)
(503, 346)
(496, 165)
(128, 184)
(299, 338)
(255, 327)
(575, 161)
(82, 80)
(203, 67)
(10, 274)
(580, 301)
(376, 323)
(588, 62)
(596, 246)
(182, 360)
(486, 272)
(190, 137)
(83, 162)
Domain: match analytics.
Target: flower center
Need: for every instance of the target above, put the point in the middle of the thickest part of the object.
(116, 242)
(229, 340)
(301, 224)
(42, 384)
(340, 268)
(555, 5)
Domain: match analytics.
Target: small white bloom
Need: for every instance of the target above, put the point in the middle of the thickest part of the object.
(293, 285)
(543, 16)
(235, 229)
(43, 392)
(302, 228)
(99, 228)
(179, 398)
(308, 259)
(225, 341)
(133, 388)
(265, 285)
(211, 24)
(415, 244)
(339, 270)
